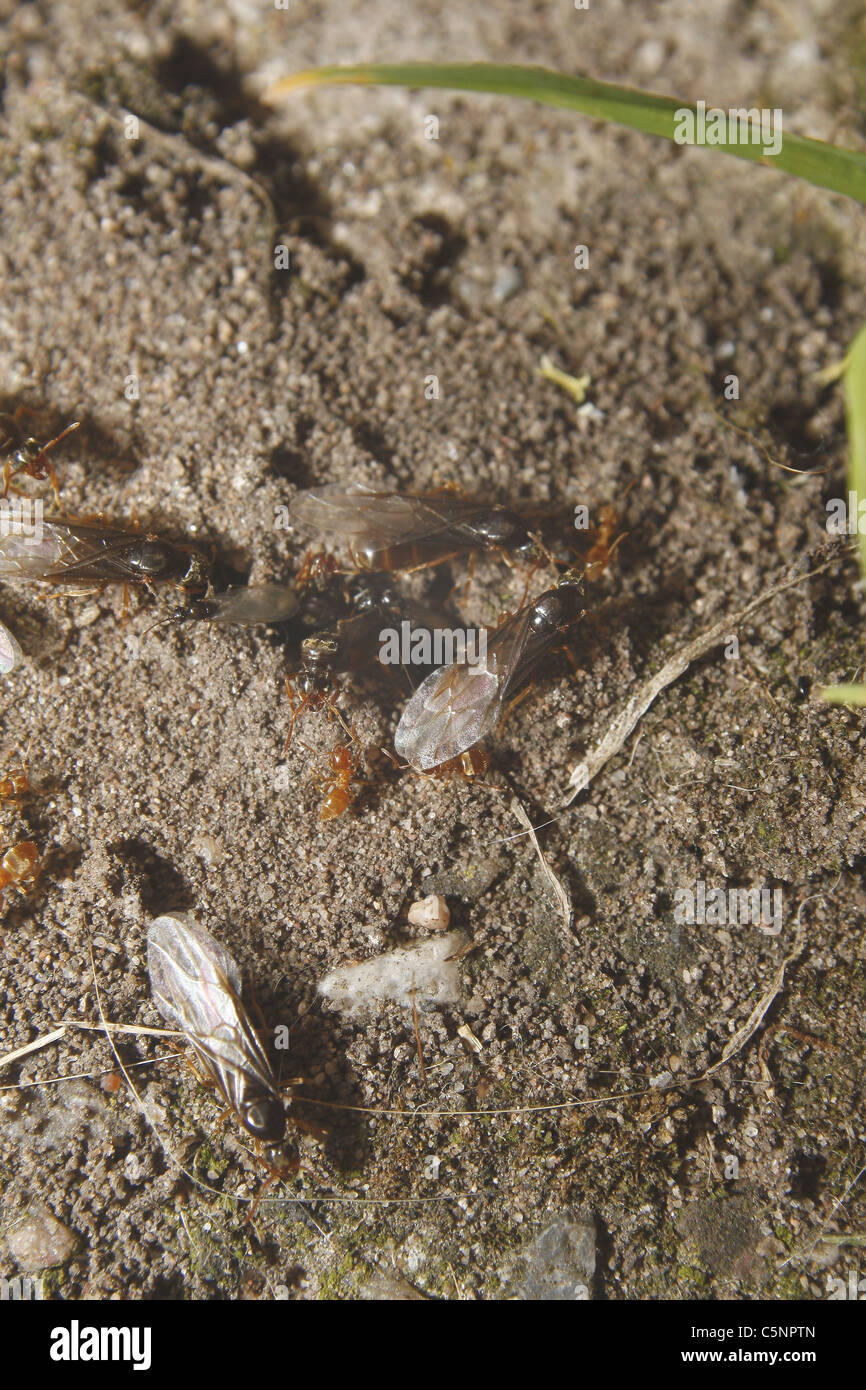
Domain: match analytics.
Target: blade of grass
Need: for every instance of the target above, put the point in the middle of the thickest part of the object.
(827, 166)
(844, 694)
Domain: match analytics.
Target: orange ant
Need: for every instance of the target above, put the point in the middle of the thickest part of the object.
(18, 866)
(316, 566)
(339, 793)
(14, 784)
(602, 549)
(468, 766)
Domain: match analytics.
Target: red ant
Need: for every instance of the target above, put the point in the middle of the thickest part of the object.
(18, 866)
(14, 784)
(339, 793)
(467, 766)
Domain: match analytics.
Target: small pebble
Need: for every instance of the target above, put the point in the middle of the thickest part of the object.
(466, 1033)
(40, 1242)
(430, 912)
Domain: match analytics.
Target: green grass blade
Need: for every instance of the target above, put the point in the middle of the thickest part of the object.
(827, 166)
(844, 694)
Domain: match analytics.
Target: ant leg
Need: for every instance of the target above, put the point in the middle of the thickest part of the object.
(307, 1127)
(470, 574)
(334, 711)
(268, 1182)
(298, 705)
(512, 705)
(222, 1117)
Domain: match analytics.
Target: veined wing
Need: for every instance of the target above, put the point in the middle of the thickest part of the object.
(364, 517)
(458, 705)
(252, 603)
(196, 986)
(10, 652)
(59, 549)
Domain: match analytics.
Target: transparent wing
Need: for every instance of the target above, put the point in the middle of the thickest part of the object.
(10, 652)
(379, 519)
(196, 987)
(32, 557)
(62, 549)
(458, 705)
(254, 603)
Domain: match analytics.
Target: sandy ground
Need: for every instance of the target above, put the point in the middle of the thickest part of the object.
(570, 1154)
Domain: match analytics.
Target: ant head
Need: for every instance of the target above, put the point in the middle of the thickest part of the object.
(319, 650)
(198, 572)
(283, 1159)
(572, 576)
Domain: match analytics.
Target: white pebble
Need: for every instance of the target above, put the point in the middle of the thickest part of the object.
(430, 912)
(354, 989)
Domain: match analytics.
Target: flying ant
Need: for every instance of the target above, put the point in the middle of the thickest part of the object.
(72, 552)
(458, 704)
(196, 986)
(349, 646)
(30, 457)
(409, 531)
(247, 603)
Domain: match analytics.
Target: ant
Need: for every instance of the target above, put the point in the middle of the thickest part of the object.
(316, 684)
(339, 793)
(317, 567)
(29, 457)
(14, 784)
(19, 866)
(468, 766)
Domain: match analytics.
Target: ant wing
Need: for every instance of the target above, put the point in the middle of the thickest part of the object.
(24, 556)
(196, 987)
(366, 518)
(10, 652)
(252, 603)
(458, 704)
(59, 549)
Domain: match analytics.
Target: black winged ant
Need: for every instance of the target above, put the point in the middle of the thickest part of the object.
(456, 705)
